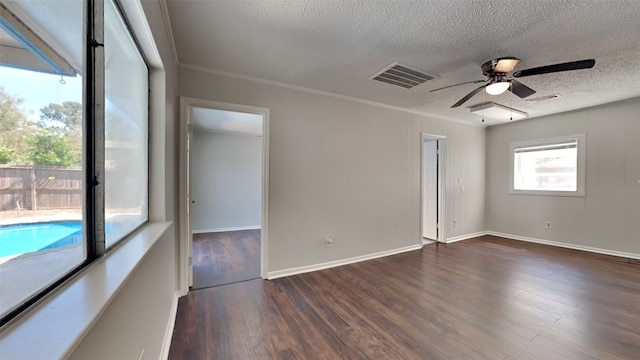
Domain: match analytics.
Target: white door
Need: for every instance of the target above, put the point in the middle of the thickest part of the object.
(430, 189)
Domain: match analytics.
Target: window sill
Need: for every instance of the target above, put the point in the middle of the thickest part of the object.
(54, 328)
(547, 193)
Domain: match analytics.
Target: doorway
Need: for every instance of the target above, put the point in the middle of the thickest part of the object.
(223, 197)
(432, 165)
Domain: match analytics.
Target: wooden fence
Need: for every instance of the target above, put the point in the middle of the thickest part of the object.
(40, 187)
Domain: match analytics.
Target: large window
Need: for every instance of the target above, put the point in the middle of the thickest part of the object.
(73, 142)
(548, 167)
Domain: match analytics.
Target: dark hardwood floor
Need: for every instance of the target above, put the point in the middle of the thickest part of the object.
(484, 298)
(225, 258)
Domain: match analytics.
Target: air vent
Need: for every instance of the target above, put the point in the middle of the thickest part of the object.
(399, 75)
(543, 98)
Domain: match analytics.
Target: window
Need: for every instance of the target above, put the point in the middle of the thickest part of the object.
(126, 129)
(73, 143)
(548, 167)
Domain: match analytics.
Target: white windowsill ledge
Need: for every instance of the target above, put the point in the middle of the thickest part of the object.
(54, 328)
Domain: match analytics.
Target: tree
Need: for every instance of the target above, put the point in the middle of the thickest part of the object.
(68, 114)
(54, 140)
(51, 147)
(15, 130)
(65, 120)
(5, 155)
(10, 115)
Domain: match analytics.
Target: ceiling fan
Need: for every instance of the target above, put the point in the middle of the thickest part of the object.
(497, 82)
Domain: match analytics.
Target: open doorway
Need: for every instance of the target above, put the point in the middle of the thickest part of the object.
(432, 184)
(224, 158)
(226, 178)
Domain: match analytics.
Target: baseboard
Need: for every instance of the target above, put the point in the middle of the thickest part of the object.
(465, 237)
(305, 269)
(428, 241)
(566, 245)
(236, 228)
(168, 335)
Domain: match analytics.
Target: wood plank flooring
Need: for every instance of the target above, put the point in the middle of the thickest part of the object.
(484, 298)
(225, 258)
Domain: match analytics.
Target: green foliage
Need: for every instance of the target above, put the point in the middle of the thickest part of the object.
(54, 140)
(11, 117)
(68, 114)
(14, 129)
(5, 155)
(51, 148)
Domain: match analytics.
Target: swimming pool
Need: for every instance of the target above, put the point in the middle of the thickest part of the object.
(26, 238)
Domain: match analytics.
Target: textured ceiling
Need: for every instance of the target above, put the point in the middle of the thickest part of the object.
(336, 46)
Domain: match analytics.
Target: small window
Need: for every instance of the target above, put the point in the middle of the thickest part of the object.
(548, 167)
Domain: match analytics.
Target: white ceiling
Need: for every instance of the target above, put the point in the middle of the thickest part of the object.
(336, 46)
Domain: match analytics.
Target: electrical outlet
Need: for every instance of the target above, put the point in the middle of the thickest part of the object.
(328, 241)
(547, 225)
(455, 222)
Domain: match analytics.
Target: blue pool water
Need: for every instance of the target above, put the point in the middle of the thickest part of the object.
(26, 238)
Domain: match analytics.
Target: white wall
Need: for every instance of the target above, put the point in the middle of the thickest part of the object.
(139, 314)
(608, 217)
(226, 181)
(348, 169)
(137, 318)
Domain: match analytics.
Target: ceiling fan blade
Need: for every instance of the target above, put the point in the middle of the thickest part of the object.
(462, 83)
(469, 96)
(520, 89)
(574, 65)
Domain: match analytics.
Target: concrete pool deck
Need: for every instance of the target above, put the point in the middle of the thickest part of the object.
(26, 274)
(23, 275)
(29, 216)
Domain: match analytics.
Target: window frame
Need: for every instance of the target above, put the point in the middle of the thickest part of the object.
(93, 152)
(580, 140)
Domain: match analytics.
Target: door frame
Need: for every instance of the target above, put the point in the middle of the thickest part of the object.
(441, 139)
(184, 197)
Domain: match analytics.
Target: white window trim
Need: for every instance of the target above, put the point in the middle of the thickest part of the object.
(581, 140)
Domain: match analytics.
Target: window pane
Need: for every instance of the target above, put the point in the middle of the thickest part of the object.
(550, 168)
(126, 130)
(41, 149)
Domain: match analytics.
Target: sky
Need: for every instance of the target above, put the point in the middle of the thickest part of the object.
(38, 90)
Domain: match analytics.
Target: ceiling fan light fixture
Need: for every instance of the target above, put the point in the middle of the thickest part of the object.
(497, 88)
(497, 112)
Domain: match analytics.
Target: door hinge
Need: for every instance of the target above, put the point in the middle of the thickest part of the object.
(190, 260)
